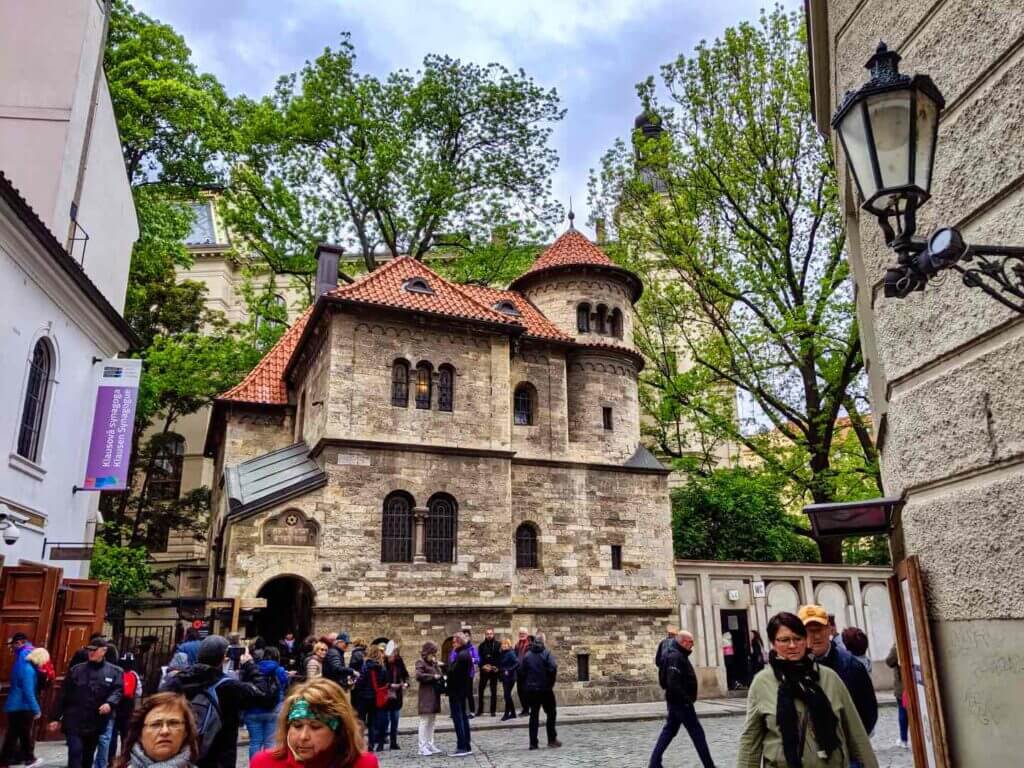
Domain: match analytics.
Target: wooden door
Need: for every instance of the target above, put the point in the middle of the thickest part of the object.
(81, 606)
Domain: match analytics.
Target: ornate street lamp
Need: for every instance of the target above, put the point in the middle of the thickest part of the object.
(889, 131)
(852, 518)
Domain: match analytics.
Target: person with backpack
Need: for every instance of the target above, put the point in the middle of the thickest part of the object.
(536, 677)
(370, 697)
(92, 691)
(398, 681)
(22, 706)
(190, 646)
(271, 678)
(217, 701)
(132, 688)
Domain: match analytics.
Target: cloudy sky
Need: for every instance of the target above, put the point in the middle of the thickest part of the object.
(592, 51)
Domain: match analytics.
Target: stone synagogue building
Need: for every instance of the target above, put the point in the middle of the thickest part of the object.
(415, 455)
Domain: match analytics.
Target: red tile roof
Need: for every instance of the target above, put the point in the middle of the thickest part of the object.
(265, 383)
(529, 316)
(572, 248)
(385, 286)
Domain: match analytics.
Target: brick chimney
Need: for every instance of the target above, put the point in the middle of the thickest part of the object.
(327, 255)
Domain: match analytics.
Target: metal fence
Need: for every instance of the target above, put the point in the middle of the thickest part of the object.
(153, 646)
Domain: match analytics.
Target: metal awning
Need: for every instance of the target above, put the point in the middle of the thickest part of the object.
(270, 479)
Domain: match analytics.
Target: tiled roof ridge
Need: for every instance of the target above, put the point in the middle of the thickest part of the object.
(571, 247)
(252, 389)
(552, 332)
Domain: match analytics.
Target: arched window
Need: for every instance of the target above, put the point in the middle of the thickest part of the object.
(616, 323)
(424, 385)
(418, 285)
(583, 318)
(441, 528)
(602, 319)
(396, 529)
(445, 388)
(524, 404)
(165, 479)
(527, 554)
(30, 436)
(400, 383)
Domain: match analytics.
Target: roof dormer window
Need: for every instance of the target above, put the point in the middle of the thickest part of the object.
(418, 285)
(507, 308)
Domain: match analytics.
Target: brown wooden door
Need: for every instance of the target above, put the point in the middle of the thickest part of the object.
(81, 606)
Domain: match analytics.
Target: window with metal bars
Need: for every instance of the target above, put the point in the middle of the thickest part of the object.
(527, 554)
(441, 529)
(582, 667)
(396, 529)
(424, 385)
(39, 372)
(523, 405)
(400, 384)
(165, 479)
(616, 557)
(445, 388)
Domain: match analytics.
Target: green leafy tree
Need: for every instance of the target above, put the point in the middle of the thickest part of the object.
(126, 569)
(437, 159)
(735, 514)
(731, 213)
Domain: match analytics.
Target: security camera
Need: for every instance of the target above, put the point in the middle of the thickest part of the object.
(8, 525)
(11, 533)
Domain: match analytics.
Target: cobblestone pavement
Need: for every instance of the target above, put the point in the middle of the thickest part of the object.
(593, 745)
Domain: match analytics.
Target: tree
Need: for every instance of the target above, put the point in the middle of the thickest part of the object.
(443, 157)
(125, 568)
(731, 212)
(735, 514)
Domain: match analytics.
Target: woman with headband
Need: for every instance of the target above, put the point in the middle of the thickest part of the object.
(316, 729)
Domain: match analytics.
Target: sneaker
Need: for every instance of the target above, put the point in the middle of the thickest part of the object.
(470, 716)
(461, 753)
(36, 763)
(534, 746)
(435, 751)
(425, 753)
(554, 744)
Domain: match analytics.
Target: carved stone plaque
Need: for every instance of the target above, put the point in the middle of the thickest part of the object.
(290, 529)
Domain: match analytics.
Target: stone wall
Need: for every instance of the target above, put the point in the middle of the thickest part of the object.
(598, 380)
(362, 355)
(313, 379)
(944, 363)
(557, 295)
(544, 369)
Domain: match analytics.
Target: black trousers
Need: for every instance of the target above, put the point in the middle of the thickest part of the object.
(487, 679)
(686, 716)
(19, 746)
(536, 701)
(82, 749)
(507, 684)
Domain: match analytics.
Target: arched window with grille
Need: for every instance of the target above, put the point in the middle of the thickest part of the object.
(396, 528)
(527, 550)
(445, 388)
(424, 385)
(441, 529)
(601, 319)
(40, 373)
(583, 318)
(400, 383)
(168, 458)
(524, 405)
(616, 323)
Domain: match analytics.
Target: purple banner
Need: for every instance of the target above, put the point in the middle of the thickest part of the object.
(110, 446)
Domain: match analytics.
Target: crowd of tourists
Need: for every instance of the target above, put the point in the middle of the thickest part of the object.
(335, 700)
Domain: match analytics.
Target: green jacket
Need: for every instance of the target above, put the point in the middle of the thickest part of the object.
(762, 739)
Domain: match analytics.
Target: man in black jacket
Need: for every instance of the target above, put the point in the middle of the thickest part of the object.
(460, 684)
(679, 682)
(334, 667)
(537, 673)
(92, 691)
(233, 696)
(490, 655)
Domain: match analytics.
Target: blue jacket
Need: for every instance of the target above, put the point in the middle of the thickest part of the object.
(22, 696)
(857, 681)
(268, 667)
(509, 665)
(191, 649)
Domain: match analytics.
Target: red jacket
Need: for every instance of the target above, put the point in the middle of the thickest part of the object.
(266, 759)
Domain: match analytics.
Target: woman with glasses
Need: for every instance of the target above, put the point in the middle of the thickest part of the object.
(161, 734)
(315, 661)
(799, 714)
(316, 729)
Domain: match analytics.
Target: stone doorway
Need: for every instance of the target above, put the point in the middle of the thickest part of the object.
(290, 602)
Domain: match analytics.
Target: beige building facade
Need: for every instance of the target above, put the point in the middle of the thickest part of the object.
(944, 364)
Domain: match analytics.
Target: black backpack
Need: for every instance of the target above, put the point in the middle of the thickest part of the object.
(206, 710)
(269, 686)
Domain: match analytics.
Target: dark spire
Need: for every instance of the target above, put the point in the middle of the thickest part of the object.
(572, 215)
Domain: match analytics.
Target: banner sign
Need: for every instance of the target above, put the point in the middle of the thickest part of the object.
(110, 446)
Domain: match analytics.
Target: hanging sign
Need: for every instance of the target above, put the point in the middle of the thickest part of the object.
(110, 444)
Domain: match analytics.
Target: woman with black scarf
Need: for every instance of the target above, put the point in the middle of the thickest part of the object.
(800, 715)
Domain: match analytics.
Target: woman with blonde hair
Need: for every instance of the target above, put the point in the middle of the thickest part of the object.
(370, 696)
(315, 662)
(316, 729)
(161, 734)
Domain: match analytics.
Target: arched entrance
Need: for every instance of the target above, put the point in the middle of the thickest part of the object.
(289, 609)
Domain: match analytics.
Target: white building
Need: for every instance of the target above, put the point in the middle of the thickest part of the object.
(67, 225)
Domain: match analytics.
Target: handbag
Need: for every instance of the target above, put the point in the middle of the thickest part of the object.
(380, 694)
